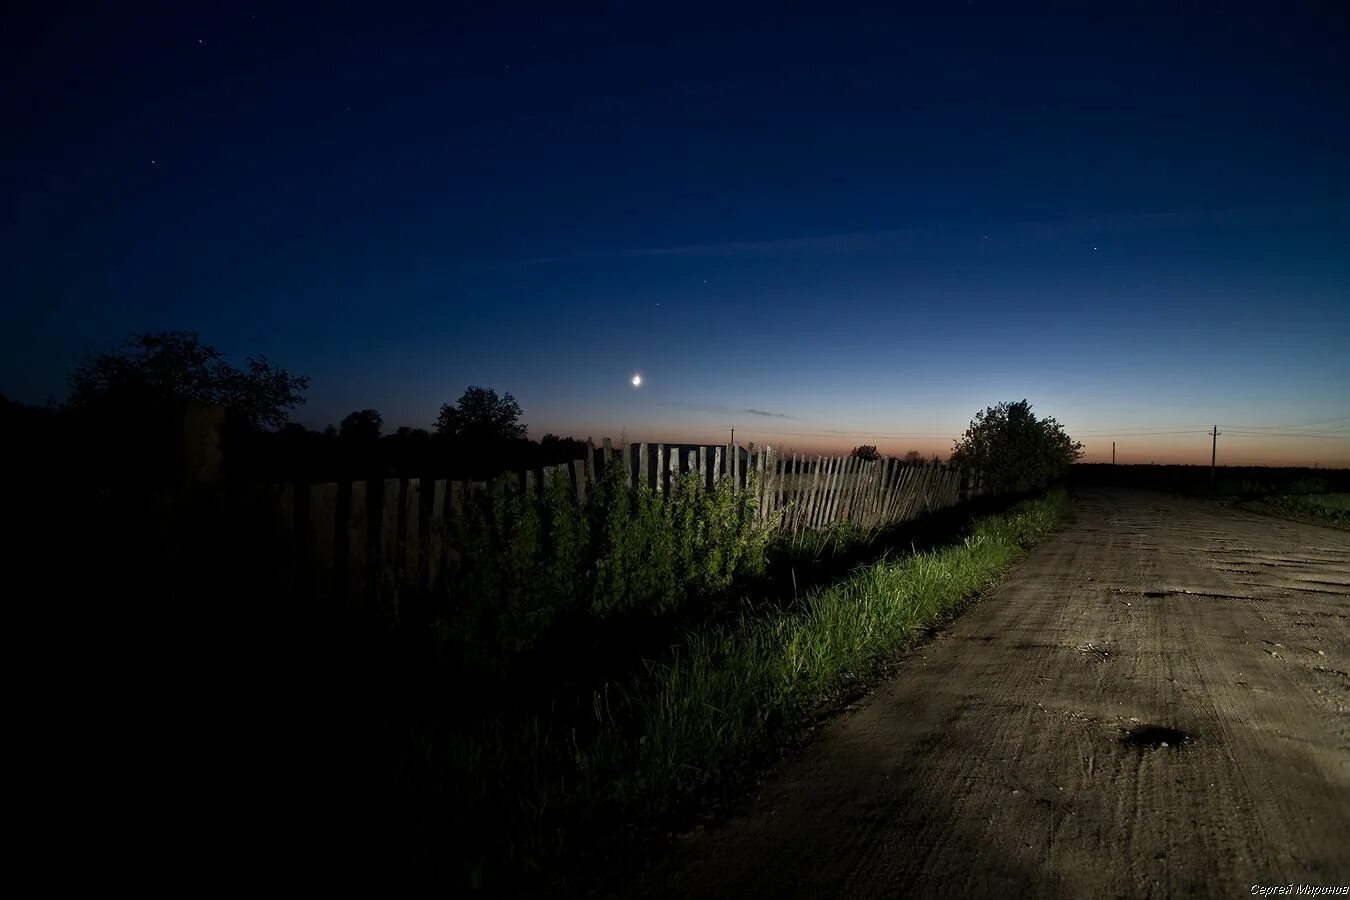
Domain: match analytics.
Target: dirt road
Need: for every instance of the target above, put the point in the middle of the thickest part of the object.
(1029, 748)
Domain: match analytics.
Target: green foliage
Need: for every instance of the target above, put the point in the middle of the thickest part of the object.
(656, 554)
(524, 563)
(699, 715)
(1322, 509)
(1015, 450)
(702, 711)
(568, 539)
(1308, 486)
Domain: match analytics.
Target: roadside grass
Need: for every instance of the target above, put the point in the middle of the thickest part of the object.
(1319, 509)
(706, 710)
(528, 799)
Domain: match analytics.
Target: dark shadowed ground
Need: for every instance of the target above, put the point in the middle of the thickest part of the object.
(1154, 703)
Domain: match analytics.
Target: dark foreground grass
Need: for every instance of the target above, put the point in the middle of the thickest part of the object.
(1319, 509)
(547, 797)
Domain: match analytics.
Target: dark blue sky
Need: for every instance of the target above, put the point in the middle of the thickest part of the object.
(824, 226)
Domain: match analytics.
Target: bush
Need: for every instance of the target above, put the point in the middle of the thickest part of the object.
(525, 565)
(1016, 451)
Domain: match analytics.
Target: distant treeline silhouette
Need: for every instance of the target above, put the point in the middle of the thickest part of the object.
(125, 419)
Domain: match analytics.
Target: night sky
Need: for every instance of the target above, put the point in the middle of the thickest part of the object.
(823, 228)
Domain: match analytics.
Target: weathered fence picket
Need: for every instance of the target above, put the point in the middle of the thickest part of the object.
(322, 528)
(358, 551)
(358, 547)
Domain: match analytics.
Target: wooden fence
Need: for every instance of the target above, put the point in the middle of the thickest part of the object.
(362, 544)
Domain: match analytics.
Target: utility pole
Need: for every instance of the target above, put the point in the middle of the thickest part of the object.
(733, 436)
(1113, 453)
(1213, 450)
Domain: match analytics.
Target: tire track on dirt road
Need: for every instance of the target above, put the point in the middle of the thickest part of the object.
(1023, 750)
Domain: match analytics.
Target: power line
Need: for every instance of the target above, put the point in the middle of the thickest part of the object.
(1138, 429)
(1179, 429)
(1296, 425)
(1106, 434)
(1334, 437)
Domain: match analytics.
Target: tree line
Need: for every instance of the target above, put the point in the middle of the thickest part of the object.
(123, 418)
(123, 422)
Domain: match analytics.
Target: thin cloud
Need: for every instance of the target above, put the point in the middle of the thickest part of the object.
(845, 242)
(855, 241)
(724, 410)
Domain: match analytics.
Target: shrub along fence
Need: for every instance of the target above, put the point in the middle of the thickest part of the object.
(690, 517)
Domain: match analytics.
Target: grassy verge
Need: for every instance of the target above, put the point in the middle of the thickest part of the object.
(1318, 509)
(573, 783)
(706, 710)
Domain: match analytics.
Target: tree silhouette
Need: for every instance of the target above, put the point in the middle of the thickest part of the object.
(362, 426)
(913, 458)
(481, 416)
(866, 451)
(556, 449)
(1015, 450)
(149, 369)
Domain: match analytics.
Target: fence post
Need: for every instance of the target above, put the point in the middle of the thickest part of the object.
(436, 535)
(810, 480)
(284, 506)
(387, 584)
(412, 534)
(322, 527)
(358, 556)
(811, 487)
(853, 481)
(829, 497)
(579, 470)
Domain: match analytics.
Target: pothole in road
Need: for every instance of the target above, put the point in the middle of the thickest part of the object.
(1155, 737)
(1182, 592)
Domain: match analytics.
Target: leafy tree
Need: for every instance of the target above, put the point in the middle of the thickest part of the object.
(149, 369)
(363, 425)
(866, 451)
(1015, 450)
(913, 458)
(480, 415)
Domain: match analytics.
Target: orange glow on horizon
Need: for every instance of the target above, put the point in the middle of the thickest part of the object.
(1235, 450)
